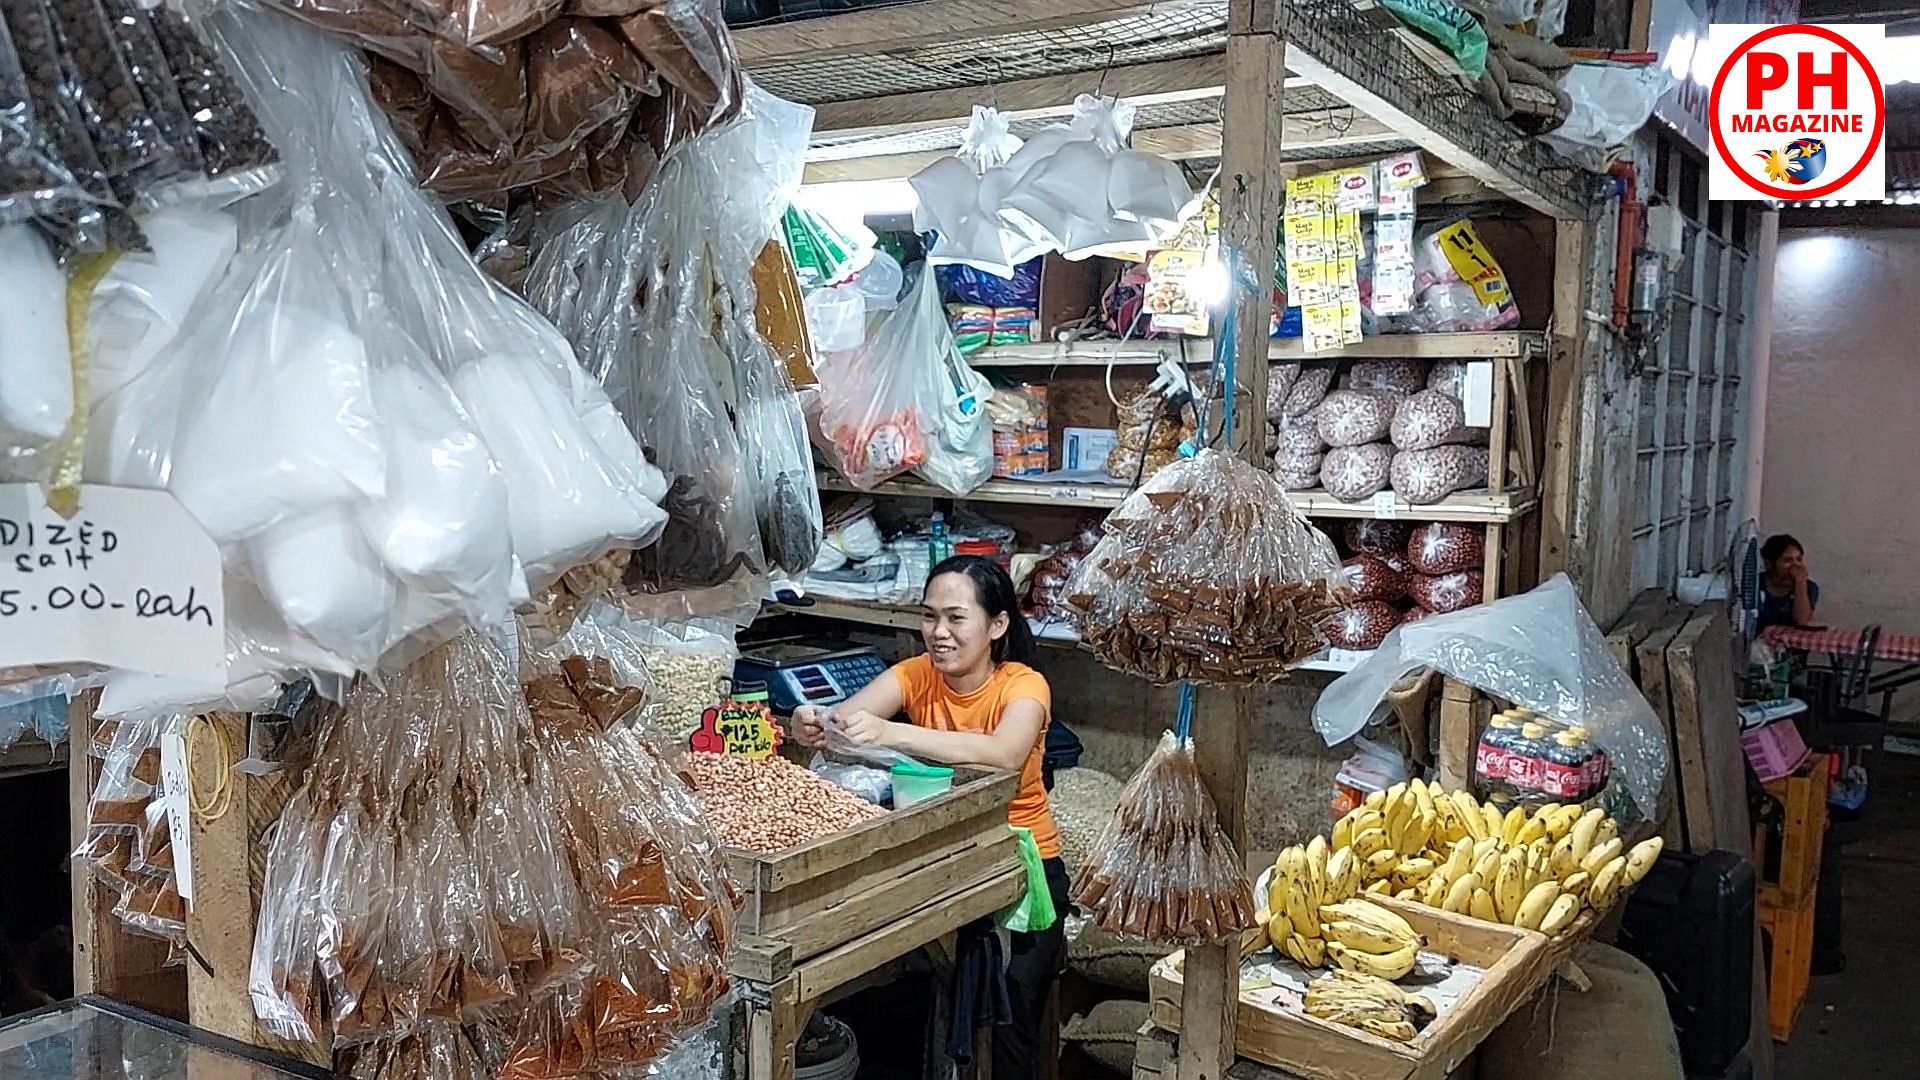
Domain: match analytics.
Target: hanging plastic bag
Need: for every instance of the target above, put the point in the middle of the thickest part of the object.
(1163, 869)
(961, 198)
(1539, 650)
(36, 392)
(906, 400)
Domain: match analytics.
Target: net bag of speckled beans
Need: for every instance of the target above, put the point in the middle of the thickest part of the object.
(1206, 573)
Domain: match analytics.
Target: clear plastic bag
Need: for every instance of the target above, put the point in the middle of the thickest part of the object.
(1539, 650)
(1208, 573)
(127, 843)
(1163, 869)
(32, 177)
(906, 401)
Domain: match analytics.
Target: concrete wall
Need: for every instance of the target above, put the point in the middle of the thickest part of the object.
(1842, 426)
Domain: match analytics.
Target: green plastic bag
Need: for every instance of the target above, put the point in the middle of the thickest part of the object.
(1033, 912)
(1451, 26)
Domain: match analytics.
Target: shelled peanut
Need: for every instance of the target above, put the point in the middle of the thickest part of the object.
(771, 805)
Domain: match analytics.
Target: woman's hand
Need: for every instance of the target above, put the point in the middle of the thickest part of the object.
(807, 730)
(866, 729)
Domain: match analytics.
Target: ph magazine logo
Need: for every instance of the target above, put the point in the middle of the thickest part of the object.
(1797, 112)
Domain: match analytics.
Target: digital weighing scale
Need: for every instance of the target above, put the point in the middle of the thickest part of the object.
(799, 674)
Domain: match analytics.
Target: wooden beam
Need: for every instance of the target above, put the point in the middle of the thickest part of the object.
(1158, 82)
(1304, 131)
(1252, 189)
(1564, 382)
(907, 26)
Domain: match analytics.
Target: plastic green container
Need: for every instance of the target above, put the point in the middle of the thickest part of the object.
(914, 782)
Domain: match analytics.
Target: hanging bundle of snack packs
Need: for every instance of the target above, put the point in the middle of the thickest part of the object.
(1164, 870)
(1206, 573)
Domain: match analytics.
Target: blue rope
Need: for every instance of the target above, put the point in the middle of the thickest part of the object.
(1183, 720)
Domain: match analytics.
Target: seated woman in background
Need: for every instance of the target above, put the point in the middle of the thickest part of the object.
(1787, 595)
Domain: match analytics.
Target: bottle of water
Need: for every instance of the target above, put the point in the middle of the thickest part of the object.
(939, 545)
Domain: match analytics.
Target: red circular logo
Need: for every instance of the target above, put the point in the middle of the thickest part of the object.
(1873, 142)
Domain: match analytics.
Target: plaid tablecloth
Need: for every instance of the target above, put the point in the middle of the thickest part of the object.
(1842, 639)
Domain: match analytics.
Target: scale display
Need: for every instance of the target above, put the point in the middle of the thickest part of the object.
(799, 674)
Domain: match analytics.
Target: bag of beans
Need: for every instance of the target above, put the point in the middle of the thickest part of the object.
(1308, 389)
(1441, 593)
(1399, 376)
(1354, 417)
(1280, 380)
(1353, 473)
(1429, 419)
(1442, 547)
(1427, 476)
(1449, 377)
(1369, 577)
(1373, 536)
(1363, 626)
(1298, 472)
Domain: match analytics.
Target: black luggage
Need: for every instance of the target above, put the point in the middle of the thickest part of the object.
(1691, 921)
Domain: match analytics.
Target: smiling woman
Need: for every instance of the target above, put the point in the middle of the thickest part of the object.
(974, 699)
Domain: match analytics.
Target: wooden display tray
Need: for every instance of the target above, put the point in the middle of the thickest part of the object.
(1516, 964)
(812, 899)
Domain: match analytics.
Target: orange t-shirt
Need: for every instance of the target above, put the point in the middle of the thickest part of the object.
(931, 703)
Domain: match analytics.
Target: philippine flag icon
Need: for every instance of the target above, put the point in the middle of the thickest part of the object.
(1799, 162)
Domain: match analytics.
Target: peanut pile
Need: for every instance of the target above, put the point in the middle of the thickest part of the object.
(771, 805)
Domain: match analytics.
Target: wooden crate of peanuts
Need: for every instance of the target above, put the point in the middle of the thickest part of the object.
(821, 868)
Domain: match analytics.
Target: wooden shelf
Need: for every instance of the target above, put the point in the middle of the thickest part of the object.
(1476, 346)
(892, 100)
(1466, 506)
(907, 617)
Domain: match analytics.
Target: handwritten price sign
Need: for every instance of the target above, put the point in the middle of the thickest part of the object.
(741, 729)
(131, 581)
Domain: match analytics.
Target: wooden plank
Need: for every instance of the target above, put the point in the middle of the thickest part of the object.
(900, 27)
(1153, 83)
(1459, 735)
(762, 960)
(773, 1033)
(1648, 610)
(1706, 729)
(816, 977)
(1650, 658)
(1101, 353)
(769, 912)
(863, 911)
(1570, 285)
(1499, 469)
(229, 871)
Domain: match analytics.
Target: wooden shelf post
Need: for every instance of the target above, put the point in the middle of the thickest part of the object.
(1251, 194)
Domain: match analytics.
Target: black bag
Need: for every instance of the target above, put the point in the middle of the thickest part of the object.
(1691, 921)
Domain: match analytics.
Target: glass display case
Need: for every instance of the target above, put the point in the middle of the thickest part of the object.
(92, 1038)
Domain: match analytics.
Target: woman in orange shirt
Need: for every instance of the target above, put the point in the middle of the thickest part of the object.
(973, 698)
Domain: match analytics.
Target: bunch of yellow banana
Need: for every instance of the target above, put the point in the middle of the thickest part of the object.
(1362, 936)
(1370, 1003)
(1305, 877)
(1538, 869)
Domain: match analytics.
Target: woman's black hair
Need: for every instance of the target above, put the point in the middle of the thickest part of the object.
(994, 590)
(1776, 545)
